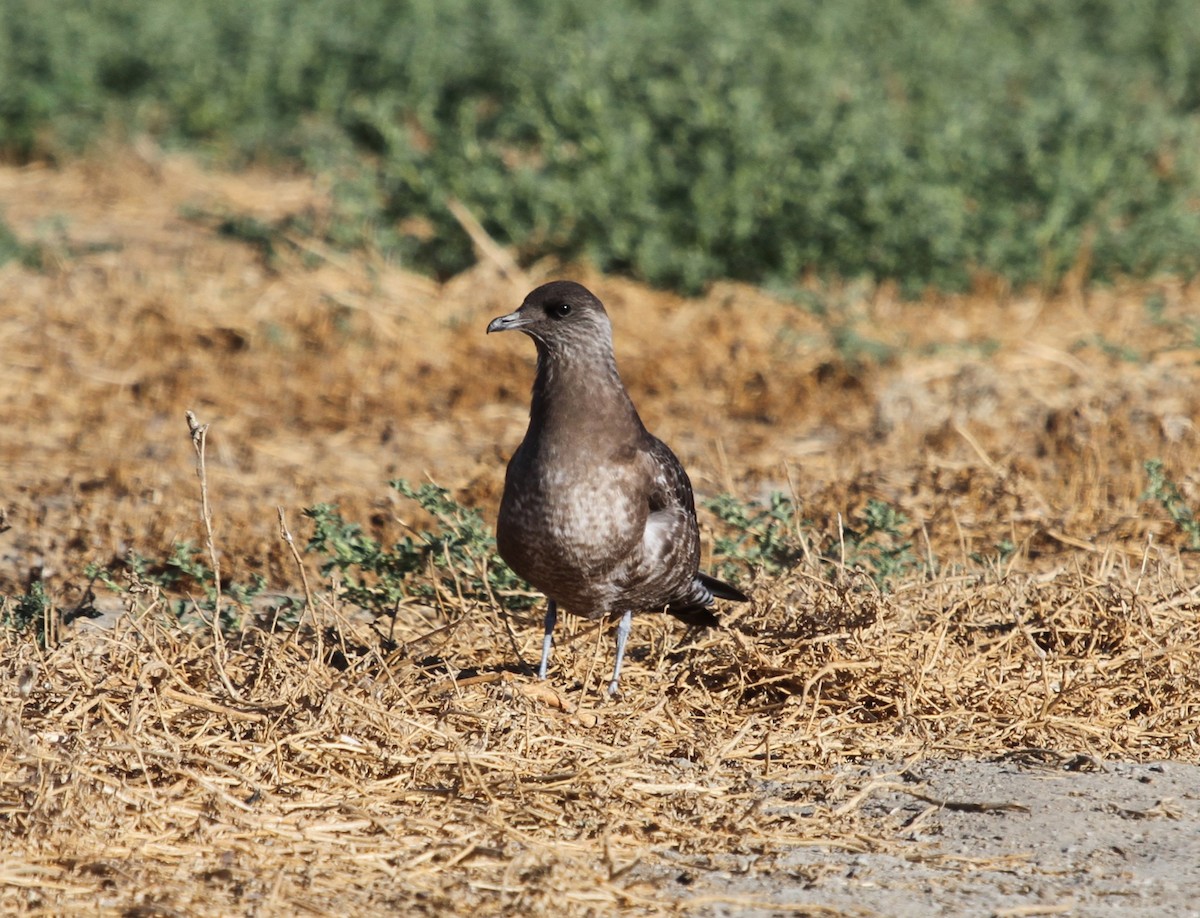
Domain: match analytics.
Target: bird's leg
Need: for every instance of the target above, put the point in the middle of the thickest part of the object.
(624, 626)
(547, 637)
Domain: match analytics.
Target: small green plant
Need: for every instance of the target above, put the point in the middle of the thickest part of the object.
(763, 536)
(767, 537)
(880, 545)
(857, 350)
(1167, 493)
(10, 246)
(184, 570)
(267, 237)
(1001, 552)
(25, 612)
(1112, 349)
(458, 556)
(1185, 327)
(31, 255)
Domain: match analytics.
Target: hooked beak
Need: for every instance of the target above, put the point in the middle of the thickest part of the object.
(507, 323)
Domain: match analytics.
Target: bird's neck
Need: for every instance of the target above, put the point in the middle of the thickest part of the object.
(580, 395)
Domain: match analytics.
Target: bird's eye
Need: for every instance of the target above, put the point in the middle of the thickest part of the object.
(559, 310)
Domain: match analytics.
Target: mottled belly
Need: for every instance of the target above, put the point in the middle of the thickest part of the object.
(569, 538)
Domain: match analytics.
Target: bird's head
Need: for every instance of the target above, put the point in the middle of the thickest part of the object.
(560, 316)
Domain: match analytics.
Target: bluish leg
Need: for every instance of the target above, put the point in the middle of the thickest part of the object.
(624, 626)
(547, 639)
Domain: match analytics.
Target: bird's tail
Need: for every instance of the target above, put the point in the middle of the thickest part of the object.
(693, 611)
(721, 589)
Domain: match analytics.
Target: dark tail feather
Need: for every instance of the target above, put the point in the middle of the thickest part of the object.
(695, 614)
(722, 590)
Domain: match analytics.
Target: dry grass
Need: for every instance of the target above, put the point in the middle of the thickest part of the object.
(132, 779)
(147, 770)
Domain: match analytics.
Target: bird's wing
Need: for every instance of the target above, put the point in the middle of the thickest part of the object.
(672, 495)
(671, 537)
(668, 484)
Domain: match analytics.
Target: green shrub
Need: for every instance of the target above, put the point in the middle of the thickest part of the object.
(921, 141)
(879, 544)
(1166, 493)
(456, 558)
(186, 577)
(767, 537)
(26, 612)
(759, 536)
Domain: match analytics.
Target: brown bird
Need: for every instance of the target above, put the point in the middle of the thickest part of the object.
(597, 513)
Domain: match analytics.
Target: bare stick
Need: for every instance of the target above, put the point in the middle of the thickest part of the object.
(199, 435)
(1137, 587)
(286, 535)
(485, 245)
(842, 541)
(199, 432)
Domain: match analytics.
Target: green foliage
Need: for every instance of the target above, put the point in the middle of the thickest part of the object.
(11, 247)
(456, 558)
(768, 538)
(49, 247)
(27, 611)
(1186, 328)
(1112, 349)
(1167, 493)
(921, 140)
(266, 237)
(185, 570)
(880, 544)
(1001, 552)
(452, 559)
(764, 537)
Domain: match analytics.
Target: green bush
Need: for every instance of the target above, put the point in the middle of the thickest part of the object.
(770, 538)
(1166, 493)
(456, 558)
(26, 612)
(921, 140)
(185, 575)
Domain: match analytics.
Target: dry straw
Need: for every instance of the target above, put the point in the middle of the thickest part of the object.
(338, 767)
(134, 778)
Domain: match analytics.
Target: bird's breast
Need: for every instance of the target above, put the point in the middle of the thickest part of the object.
(565, 529)
(584, 517)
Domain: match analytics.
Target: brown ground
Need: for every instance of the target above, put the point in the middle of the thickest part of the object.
(146, 769)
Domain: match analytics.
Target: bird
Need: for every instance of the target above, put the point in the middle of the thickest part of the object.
(596, 513)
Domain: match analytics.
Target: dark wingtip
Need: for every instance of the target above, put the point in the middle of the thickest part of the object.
(722, 590)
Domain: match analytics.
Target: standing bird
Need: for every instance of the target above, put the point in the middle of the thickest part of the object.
(597, 513)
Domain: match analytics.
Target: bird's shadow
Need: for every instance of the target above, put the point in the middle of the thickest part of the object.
(437, 665)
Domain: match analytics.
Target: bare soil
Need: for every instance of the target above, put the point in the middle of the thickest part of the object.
(1011, 730)
(1029, 834)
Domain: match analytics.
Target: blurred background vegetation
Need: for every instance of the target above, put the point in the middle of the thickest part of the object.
(925, 141)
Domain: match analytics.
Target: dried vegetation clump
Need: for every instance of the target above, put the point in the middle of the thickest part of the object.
(1044, 607)
(149, 768)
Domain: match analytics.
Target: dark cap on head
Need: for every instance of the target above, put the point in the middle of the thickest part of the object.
(558, 311)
